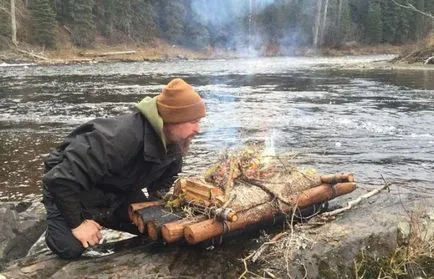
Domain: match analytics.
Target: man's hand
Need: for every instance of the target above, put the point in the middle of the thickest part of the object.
(88, 233)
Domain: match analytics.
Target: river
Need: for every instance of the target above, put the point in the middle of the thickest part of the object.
(327, 113)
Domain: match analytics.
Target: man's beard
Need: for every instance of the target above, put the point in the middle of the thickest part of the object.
(184, 145)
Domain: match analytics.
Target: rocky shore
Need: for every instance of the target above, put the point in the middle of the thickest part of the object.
(342, 247)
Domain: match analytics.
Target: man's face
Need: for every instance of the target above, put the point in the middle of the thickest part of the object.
(182, 133)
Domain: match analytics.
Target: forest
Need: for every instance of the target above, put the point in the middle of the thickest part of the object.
(267, 26)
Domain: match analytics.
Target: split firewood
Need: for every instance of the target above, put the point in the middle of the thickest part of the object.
(192, 190)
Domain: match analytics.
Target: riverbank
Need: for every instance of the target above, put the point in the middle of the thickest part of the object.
(162, 51)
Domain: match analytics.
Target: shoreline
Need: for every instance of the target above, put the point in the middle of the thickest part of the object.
(7, 60)
(67, 54)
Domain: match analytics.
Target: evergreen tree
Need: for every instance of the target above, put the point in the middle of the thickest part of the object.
(144, 28)
(5, 26)
(374, 26)
(44, 22)
(345, 21)
(417, 21)
(198, 35)
(123, 16)
(403, 25)
(5, 19)
(390, 21)
(195, 30)
(173, 21)
(83, 33)
(64, 11)
(104, 14)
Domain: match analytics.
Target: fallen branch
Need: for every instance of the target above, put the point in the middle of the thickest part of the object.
(67, 29)
(413, 8)
(32, 54)
(108, 53)
(257, 253)
(430, 60)
(352, 203)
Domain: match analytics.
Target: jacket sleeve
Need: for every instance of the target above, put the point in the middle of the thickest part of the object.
(161, 186)
(86, 159)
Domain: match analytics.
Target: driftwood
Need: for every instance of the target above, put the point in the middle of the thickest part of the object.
(352, 203)
(32, 54)
(111, 53)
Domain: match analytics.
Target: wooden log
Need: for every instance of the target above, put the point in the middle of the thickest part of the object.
(147, 214)
(154, 227)
(207, 229)
(321, 193)
(220, 213)
(111, 53)
(174, 231)
(137, 206)
(337, 178)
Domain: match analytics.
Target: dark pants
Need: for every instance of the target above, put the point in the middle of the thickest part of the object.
(59, 236)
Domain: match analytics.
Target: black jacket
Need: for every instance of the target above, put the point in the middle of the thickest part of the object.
(104, 159)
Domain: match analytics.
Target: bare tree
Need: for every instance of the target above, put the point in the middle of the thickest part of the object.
(324, 20)
(317, 23)
(409, 6)
(340, 14)
(13, 23)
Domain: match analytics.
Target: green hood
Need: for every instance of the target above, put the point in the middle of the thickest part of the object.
(148, 106)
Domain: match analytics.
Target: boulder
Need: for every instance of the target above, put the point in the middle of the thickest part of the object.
(21, 224)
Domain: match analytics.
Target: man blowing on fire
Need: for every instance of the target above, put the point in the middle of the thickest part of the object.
(102, 166)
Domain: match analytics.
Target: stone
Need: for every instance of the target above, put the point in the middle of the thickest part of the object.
(21, 224)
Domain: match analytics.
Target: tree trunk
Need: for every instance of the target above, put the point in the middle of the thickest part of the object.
(13, 23)
(317, 23)
(324, 21)
(340, 15)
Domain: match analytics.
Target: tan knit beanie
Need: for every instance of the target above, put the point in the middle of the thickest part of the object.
(178, 102)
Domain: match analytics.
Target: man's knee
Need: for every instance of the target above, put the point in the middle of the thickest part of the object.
(64, 245)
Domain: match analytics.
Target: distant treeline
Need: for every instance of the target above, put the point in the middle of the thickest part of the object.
(262, 25)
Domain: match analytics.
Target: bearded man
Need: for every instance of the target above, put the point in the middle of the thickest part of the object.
(102, 166)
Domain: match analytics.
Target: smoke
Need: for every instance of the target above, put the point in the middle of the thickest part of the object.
(231, 23)
(223, 12)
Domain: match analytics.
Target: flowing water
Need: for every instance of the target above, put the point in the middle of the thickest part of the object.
(311, 111)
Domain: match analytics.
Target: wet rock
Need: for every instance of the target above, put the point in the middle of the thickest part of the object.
(8, 227)
(21, 224)
(357, 234)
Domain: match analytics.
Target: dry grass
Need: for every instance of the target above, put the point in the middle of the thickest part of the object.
(414, 258)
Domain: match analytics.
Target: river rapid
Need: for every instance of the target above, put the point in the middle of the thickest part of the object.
(331, 114)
